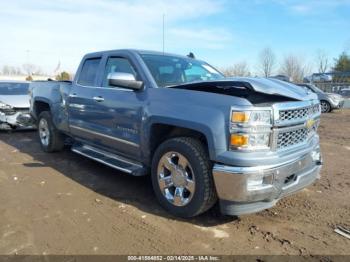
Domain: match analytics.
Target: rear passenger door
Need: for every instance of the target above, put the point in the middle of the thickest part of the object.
(82, 109)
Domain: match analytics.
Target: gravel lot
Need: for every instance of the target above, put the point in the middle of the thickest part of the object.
(63, 203)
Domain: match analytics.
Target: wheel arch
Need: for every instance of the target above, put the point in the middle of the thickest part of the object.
(41, 105)
(162, 131)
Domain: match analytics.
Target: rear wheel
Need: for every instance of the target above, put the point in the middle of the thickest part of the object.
(182, 178)
(325, 106)
(51, 140)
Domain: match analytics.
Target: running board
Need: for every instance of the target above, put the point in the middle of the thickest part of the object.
(111, 160)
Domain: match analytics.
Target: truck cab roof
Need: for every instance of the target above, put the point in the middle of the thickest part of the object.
(135, 51)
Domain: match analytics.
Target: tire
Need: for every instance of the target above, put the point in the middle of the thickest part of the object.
(51, 140)
(197, 196)
(325, 106)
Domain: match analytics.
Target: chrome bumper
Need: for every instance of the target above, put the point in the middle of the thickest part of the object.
(251, 189)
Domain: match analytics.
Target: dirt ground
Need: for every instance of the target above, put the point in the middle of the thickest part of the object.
(63, 203)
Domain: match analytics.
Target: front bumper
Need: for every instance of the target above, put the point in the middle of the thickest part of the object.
(337, 104)
(244, 190)
(20, 119)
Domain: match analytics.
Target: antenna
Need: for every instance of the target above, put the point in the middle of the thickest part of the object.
(163, 32)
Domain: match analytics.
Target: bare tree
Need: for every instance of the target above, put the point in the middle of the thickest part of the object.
(267, 61)
(6, 70)
(11, 70)
(294, 67)
(31, 69)
(238, 69)
(322, 61)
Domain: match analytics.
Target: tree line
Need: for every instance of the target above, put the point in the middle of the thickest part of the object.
(30, 70)
(293, 66)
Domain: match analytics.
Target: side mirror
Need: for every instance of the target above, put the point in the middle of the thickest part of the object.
(124, 80)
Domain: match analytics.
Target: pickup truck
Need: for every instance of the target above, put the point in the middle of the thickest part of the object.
(203, 138)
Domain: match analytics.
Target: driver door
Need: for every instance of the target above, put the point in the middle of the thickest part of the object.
(118, 111)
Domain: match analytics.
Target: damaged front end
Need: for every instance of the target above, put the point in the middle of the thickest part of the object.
(15, 118)
(254, 89)
(272, 144)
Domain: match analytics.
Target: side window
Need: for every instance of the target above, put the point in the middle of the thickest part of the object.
(88, 73)
(117, 65)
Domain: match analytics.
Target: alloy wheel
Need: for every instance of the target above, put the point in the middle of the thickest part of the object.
(176, 178)
(324, 107)
(44, 132)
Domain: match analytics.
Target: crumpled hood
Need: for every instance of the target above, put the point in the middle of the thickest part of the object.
(268, 86)
(274, 86)
(17, 101)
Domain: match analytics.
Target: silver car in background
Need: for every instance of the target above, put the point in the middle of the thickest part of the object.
(14, 105)
(329, 101)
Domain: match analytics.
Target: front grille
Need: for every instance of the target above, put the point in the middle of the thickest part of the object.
(298, 114)
(295, 137)
(291, 138)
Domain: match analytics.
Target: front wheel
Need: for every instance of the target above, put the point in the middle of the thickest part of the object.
(182, 177)
(50, 138)
(325, 106)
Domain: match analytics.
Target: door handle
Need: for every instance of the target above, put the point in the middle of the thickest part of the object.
(98, 98)
(73, 95)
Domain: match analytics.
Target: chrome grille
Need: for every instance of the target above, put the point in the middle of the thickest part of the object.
(291, 138)
(295, 136)
(298, 114)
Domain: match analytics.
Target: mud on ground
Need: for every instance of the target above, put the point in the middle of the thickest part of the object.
(63, 203)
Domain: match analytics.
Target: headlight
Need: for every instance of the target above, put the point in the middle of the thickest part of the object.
(250, 129)
(256, 141)
(7, 109)
(4, 106)
(334, 97)
(251, 117)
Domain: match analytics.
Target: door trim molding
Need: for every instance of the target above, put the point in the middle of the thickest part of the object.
(104, 135)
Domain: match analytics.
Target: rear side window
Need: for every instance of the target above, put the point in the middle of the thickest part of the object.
(88, 73)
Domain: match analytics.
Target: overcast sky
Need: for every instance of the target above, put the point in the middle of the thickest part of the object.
(221, 32)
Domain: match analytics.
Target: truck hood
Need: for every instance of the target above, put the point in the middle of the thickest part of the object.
(16, 101)
(267, 86)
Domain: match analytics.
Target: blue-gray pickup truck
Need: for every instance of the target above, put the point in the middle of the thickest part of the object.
(203, 138)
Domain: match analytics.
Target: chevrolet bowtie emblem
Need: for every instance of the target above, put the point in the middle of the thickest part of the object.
(310, 123)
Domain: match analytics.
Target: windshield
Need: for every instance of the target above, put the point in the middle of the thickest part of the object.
(172, 70)
(14, 88)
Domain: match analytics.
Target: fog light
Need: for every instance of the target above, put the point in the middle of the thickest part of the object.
(259, 181)
(316, 155)
(255, 181)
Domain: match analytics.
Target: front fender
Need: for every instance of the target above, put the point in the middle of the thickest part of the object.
(210, 122)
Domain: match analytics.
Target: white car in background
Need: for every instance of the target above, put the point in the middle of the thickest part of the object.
(14, 105)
